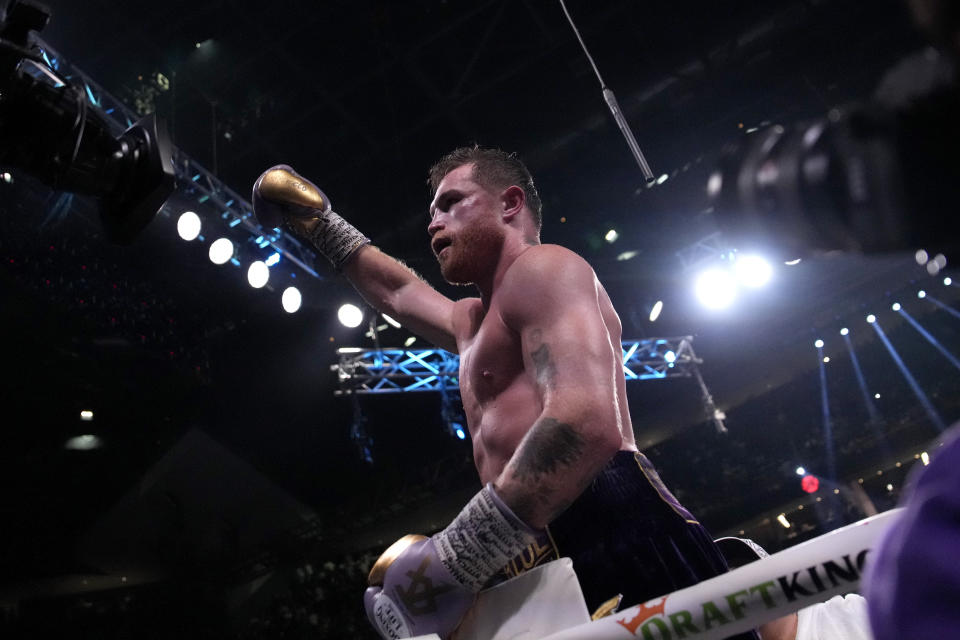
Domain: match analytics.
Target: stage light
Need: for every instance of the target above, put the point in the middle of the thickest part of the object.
(921, 257)
(844, 331)
(6, 177)
(291, 299)
(390, 321)
(810, 483)
(349, 350)
(921, 294)
(272, 259)
(753, 271)
(876, 396)
(782, 519)
(818, 344)
(826, 359)
(925, 458)
(792, 263)
(889, 487)
(85, 442)
(458, 429)
(627, 255)
(188, 225)
(221, 250)
(409, 341)
(670, 357)
(801, 471)
(663, 178)
(871, 318)
(948, 281)
(611, 236)
(716, 289)
(350, 315)
(895, 306)
(86, 415)
(258, 274)
(655, 311)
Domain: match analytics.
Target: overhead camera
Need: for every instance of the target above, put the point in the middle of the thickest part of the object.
(48, 130)
(875, 177)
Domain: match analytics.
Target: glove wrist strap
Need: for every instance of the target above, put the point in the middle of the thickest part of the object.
(335, 238)
(481, 540)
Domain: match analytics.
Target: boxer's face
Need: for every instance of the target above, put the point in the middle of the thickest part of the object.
(465, 229)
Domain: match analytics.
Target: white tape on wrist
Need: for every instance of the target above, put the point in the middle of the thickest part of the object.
(480, 541)
(336, 238)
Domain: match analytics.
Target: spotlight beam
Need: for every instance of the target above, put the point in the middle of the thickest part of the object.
(950, 310)
(917, 391)
(862, 382)
(827, 424)
(926, 334)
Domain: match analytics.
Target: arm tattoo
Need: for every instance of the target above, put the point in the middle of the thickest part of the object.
(545, 369)
(549, 447)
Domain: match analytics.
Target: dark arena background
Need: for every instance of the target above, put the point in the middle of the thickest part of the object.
(183, 457)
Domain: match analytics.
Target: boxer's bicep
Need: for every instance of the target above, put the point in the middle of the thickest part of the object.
(393, 288)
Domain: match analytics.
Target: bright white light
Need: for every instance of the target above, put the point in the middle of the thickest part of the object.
(844, 331)
(221, 250)
(188, 225)
(921, 257)
(291, 299)
(461, 434)
(390, 321)
(791, 263)
(272, 259)
(948, 281)
(889, 487)
(925, 458)
(801, 471)
(349, 350)
(818, 344)
(716, 289)
(895, 306)
(670, 357)
(350, 315)
(86, 415)
(877, 396)
(6, 177)
(85, 442)
(921, 294)
(409, 341)
(258, 274)
(782, 519)
(626, 255)
(871, 318)
(752, 271)
(941, 260)
(826, 359)
(663, 178)
(611, 236)
(655, 311)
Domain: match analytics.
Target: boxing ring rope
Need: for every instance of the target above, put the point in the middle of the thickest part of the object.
(745, 598)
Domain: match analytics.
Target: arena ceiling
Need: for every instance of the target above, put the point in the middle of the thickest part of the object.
(362, 97)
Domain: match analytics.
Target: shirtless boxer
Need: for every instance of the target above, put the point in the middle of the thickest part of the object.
(544, 395)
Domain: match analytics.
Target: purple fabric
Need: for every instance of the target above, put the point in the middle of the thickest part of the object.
(912, 584)
(419, 596)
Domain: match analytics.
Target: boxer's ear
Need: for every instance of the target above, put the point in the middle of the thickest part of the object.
(512, 200)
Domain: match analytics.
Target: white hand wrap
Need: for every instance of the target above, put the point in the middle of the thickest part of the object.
(336, 238)
(482, 540)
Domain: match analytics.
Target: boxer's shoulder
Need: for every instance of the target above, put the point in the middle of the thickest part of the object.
(545, 273)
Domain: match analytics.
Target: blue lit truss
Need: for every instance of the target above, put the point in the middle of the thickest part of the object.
(366, 371)
(192, 178)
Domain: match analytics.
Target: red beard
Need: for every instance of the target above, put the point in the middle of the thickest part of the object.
(473, 252)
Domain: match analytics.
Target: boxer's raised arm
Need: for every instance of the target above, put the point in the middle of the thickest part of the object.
(393, 288)
(282, 197)
(550, 298)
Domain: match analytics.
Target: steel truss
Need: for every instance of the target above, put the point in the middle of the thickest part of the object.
(192, 178)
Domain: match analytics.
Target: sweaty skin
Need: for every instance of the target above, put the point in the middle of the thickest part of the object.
(540, 376)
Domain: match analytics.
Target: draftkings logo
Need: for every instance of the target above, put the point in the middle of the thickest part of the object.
(653, 622)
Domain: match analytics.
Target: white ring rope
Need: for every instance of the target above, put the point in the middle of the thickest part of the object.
(745, 598)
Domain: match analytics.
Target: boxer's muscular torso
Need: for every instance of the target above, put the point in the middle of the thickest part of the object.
(500, 397)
